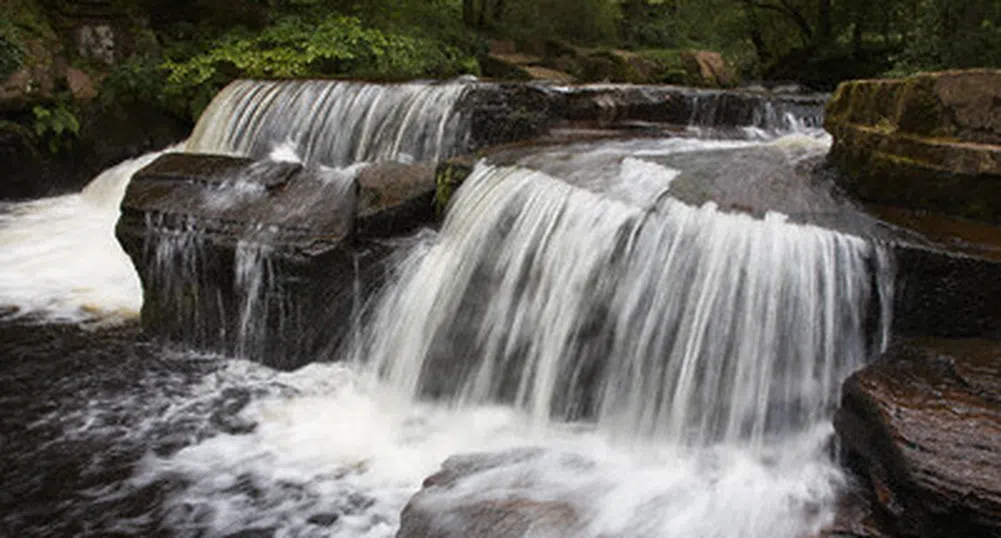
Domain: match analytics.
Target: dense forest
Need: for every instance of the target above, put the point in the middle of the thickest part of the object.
(183, 51)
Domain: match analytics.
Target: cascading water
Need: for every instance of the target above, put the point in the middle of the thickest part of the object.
(657, 318)
(674, 365)
(768, 116)
(333, 123)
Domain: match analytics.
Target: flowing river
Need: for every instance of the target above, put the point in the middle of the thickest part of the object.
(595, 319)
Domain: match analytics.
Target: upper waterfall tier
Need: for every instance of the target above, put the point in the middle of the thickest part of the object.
(333, 123)
(338, 123)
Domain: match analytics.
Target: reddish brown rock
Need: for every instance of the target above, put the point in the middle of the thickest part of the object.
(922, 427)
(80, 84)
(395, 199)
(708, 68)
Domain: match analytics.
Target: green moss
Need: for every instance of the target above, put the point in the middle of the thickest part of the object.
(919, 109)
(667, 66)
(449, 176)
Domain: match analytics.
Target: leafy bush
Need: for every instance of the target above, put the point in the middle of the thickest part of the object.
(11, 50)
(294, 47)
(56, 124)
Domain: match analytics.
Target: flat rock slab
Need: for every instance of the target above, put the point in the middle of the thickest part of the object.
(234, 197)
(922, 426)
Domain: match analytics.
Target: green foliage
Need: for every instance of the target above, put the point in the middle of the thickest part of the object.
(945, 34)
(11, 49)
(591, 22)
(57, 125)
(294, 47)
(668, 64)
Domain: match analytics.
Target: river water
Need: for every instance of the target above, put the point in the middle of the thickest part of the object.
(673, 362)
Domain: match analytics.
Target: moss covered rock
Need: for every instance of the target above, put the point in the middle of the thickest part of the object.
(931, 141)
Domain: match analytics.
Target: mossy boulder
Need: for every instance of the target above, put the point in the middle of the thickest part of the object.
(931, 141)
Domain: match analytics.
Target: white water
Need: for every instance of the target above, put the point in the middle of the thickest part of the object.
(329, 442)
(331, 439)
(333, 123)
(59, 258)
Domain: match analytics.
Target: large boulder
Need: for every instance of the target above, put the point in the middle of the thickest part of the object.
(270, 261)
(922, 428)
(931, 141)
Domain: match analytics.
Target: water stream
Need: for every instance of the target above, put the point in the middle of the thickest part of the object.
(670, 366)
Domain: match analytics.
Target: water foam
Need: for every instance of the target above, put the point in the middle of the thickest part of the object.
(59, 258)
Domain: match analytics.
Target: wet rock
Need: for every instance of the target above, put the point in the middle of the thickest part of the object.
(620, 104)
(443, 508)
(931, 141)
(922, 427)
(255, 259)
(395, 199)
(945, 293)
(501, 113)
(449, 176)
(323, 520)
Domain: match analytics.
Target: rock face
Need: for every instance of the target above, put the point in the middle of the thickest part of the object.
(922, 426)
(269, 261)
(931, 141)
(946, 294)
(710, 68)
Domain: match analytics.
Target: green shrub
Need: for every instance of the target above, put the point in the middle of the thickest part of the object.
(11, 49)
(294, 47)
(56, 124)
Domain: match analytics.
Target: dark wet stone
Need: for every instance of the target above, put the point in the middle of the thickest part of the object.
(324, 520)
(922, 428)
(258, 259)
(501, 113)
(395, 199)
(945, 293)
(857, 516)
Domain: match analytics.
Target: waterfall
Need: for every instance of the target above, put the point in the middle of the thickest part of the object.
(616, 302)
(333, 123)
(791, 114)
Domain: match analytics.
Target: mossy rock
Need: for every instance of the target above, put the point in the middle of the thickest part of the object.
(448, 177)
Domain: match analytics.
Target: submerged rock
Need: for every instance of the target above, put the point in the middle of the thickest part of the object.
(446, 508)
(922, 427)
